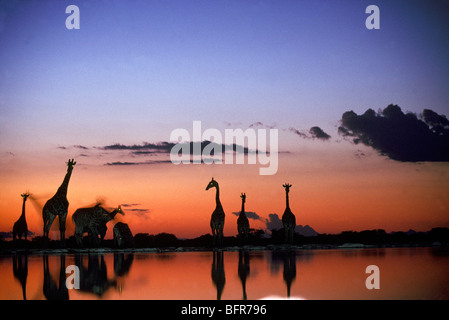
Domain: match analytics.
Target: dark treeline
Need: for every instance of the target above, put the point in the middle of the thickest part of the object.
(377, 237)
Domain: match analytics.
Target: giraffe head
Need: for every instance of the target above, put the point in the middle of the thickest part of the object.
(243, 196)
(70, 164)
(287, 187)
(25, 195)
(119, 210)
(212, 184)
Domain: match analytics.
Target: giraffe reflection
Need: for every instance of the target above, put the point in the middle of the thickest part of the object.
(243, 270)
(289, 269)
(92, 274)
(20, 271)
(52, 290)
(218, 273)
(288, 259)
(122, 265)
(93, 278)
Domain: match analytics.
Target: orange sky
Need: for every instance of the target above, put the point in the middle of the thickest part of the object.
(333, 190)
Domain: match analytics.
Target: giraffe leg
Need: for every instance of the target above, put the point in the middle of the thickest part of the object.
(62, 219)
(220, 237)
(78, 236)
(47, 224)
(214, 237)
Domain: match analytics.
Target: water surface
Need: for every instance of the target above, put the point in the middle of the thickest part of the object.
(405, 273)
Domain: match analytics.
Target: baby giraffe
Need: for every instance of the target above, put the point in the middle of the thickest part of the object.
(20, 226)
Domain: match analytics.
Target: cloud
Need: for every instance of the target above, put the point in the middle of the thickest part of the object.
(161, 147)
(259, 124)
(314, 133)
(318, 133)
(273, 222)
(297, 132)
(128, 205)
(130, 208)
(149, 162)
(78, 146)
(400, 136)
(249, 215)
(165, 147)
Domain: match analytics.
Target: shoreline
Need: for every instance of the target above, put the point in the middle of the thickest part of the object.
(283, 247)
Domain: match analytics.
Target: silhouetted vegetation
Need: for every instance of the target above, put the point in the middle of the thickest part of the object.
(376, 237)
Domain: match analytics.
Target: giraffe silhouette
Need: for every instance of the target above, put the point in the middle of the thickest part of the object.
(243, 222)
(58, 205)
(93, 220)
(123, 236)
(218, 216)
(20, 226)
(288, 218)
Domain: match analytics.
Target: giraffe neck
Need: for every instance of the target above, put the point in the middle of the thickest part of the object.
(23, 209)
(286, 200)
(62, 191)
(113, 214)
(243, 207)
(217, 197)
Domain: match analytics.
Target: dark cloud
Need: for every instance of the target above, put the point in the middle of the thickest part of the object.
(259, 124)
(196, 148)
(297, 132)
(314, 133)
(249, 215)
(78, 146)
(161, 147)
(318, 133)
(128, 205)
(400, 136)
(150, 162)
(273, 222)
(130, 208)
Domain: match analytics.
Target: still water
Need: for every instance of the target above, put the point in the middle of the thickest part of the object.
(404, 273)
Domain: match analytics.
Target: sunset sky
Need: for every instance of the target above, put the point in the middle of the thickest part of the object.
(111, 93)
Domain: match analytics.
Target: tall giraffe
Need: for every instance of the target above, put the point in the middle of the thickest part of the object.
(58, 205)
(20, 226)
(218, 216)
(243, 222)
(288, 218)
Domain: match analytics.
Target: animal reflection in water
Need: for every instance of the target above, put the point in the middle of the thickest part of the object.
(53, 290)
(243, 270)
(93, 275)
(218, 273)
(288, 258)
(20, 271)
